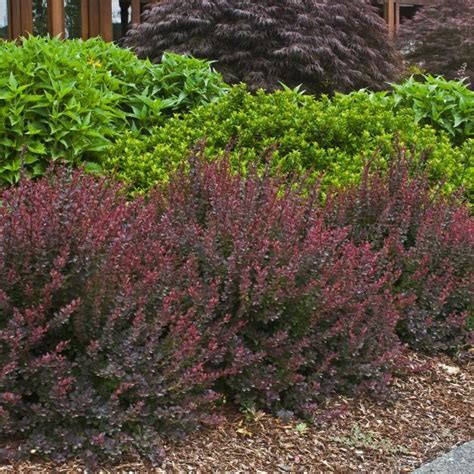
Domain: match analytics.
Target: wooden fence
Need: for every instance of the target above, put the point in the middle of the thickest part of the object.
(94, 17)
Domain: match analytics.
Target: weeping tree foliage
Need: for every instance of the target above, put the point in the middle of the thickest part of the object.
(325, 45)
(440, 39)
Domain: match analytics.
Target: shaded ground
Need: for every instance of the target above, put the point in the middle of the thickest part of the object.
(431, 411)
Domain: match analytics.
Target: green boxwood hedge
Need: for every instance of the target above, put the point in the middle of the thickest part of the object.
(333, 136)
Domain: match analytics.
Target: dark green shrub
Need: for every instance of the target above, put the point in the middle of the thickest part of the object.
(327, 46)
(330, 136)
(70, 99)
(445, 105)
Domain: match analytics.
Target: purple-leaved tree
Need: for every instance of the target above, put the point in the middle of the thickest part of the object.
(439, 39)
(325, 45)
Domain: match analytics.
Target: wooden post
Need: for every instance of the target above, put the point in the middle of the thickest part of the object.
(94, 18)
(85, 19)
(135, 11)
(106, 20)
(56, 17)
(14, 19)
(20, 18)
(389, 13)
(397, 17)
(26, 10)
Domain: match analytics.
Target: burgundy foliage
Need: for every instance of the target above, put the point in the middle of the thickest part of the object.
(325, 45)
(439, 39)
(124, 322)
(425, 236)
(316, 310)
(102, 346)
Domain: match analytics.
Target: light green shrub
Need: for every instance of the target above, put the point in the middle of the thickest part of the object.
(330, 136)
(71, 99)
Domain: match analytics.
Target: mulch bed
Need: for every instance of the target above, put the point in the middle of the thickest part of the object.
(431, 410)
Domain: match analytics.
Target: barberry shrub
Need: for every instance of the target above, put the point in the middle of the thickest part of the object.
(121, 322)
(107, 339)
(124, 322)
(427, 238)
(327, 46)
(316, 312)
(439, 39)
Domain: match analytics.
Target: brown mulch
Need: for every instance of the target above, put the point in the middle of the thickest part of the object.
(430, 412)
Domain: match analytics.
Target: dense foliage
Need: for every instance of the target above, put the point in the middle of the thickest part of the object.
(70, 99)
(427, 237)
(445, 105)
(303, 292)
(123, 322)
(439, 39)
(327, 46)
(296, 251)
(107, 338)
(332, 136)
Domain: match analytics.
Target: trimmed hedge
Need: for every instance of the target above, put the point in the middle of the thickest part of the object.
(70, 99)
(331, 136)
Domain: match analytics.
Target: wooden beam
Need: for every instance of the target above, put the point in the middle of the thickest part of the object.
(412, 2)
(56, 17)
(106, 20)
